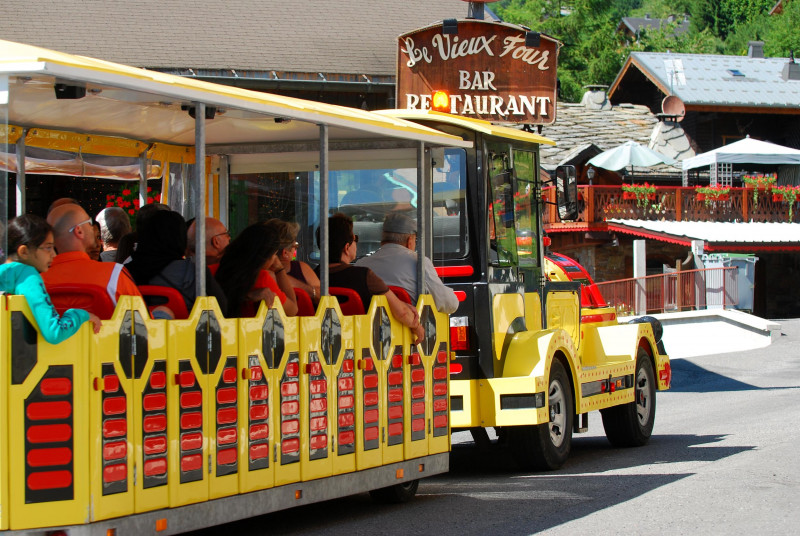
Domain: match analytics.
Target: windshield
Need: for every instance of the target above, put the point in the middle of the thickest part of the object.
(366, 195)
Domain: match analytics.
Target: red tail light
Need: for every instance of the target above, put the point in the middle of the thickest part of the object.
(459, 333)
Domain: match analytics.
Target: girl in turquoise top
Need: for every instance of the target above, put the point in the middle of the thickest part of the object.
(31, 251)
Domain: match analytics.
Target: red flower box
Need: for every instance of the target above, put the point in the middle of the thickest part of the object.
(629, 195)
(777, 198)
(701, 197)
(723, 197)
(652, 196)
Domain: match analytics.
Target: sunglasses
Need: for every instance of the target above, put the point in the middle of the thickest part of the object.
(78, 225)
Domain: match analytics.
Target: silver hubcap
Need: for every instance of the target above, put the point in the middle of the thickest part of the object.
(643, 397)
(558, 417)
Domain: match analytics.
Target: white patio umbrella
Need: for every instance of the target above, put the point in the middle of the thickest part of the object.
(629, 153)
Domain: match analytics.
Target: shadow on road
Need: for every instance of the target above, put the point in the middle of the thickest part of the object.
(485, 493)
(688, 377)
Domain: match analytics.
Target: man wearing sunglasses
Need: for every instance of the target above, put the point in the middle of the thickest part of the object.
(74, 233)
(217, 239)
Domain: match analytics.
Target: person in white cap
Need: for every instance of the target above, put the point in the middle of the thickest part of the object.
(396, 263)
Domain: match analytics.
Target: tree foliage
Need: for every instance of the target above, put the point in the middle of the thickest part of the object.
(594, 50)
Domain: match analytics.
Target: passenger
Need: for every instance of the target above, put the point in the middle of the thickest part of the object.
(396, 263)
(250, 271)
(74, 234)
(217, 239)
(301, 275)
(31, 251)
(343, 247)
(114, 224)
(61, 201)
(127, 244)
(96, 248)
(159, 258)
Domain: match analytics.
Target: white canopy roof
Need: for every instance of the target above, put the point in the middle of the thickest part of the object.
(745, 151)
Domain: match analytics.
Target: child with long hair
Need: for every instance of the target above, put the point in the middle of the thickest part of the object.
(31, 251)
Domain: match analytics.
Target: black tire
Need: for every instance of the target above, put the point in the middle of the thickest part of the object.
(399, 493)
(631, 425)
(545, 447)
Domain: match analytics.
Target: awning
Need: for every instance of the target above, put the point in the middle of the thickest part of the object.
(717, 236)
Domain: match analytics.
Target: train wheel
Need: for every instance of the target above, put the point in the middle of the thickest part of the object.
(546, 446)
(399, 493)
(631, 425)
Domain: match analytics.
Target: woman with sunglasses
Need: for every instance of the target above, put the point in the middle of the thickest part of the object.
(300, 274)
(343, 247)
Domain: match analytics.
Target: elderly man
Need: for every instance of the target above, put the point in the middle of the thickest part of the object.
(73, 233)
(114, 224)
(396, 263)
(217, 239)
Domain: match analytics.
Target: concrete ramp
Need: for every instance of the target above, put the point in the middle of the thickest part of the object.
(715, 331)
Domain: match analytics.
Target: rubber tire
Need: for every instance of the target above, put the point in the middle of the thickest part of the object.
(399, 493)
(623, 426)
(533, 447)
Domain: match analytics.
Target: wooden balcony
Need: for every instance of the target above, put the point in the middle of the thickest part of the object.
(597, 204)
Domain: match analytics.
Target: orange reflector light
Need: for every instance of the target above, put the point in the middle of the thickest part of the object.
(161, 524)
(440, 101)
(111, 532)
(421, 468)
(399, 473)
(298, 494)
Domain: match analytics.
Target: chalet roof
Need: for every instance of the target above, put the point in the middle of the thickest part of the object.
(317, 36)
(716, 80)
(577, 128)
(636, 24)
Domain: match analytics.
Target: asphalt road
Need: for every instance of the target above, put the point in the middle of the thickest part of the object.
(723, 459)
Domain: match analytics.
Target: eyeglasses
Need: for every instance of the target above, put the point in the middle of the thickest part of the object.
(226, 233)
(78, 225)
(355, 238)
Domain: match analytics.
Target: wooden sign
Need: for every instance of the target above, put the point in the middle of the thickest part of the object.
(486, 69)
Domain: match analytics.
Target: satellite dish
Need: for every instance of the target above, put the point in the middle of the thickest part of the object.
(673, 106)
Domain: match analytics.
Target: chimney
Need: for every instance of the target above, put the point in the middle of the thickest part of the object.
(755, 49)
(791, 71)
(595, 98)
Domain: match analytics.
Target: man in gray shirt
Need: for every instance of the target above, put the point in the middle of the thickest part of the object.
(396, 263)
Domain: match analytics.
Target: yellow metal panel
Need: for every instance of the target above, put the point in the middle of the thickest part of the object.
(505, 309)
(438, 382)
(417, 369)
(149, 432)
(257, 402)
(533, 311)
(81, 143)
(222, 400)
(490, 391)
(10, 134)
(282, 351)
(389, 344)
(563, 311)
(468, 391)
(343, 392)
(315, 394)
(48, 408)
(5, 359)
(187, 422)
(370, 384)
(112, 422)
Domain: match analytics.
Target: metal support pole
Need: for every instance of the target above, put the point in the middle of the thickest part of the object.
(21, 201)
(424, 212)
(143, 178)
(324, 278)
(200, 209)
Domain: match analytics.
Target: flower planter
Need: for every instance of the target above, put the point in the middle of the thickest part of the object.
(630, 196)
(701, 197)
(777, 198)
(651, 196)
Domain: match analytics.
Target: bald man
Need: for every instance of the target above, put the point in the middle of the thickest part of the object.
(73, 233)
(217, 239)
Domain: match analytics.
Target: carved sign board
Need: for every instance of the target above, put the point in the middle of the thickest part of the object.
(485, 67)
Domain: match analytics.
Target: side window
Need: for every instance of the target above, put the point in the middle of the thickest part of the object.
(502, 234)
(525, 207)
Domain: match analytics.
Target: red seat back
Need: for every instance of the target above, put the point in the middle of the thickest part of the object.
(155, 295)
(92, 298)
(305, 307)
(349, 300)
(401, 293)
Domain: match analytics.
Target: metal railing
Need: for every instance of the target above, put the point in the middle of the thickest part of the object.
(708, 288)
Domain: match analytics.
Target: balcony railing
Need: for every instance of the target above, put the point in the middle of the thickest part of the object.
(670, 203)
(707, 288)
